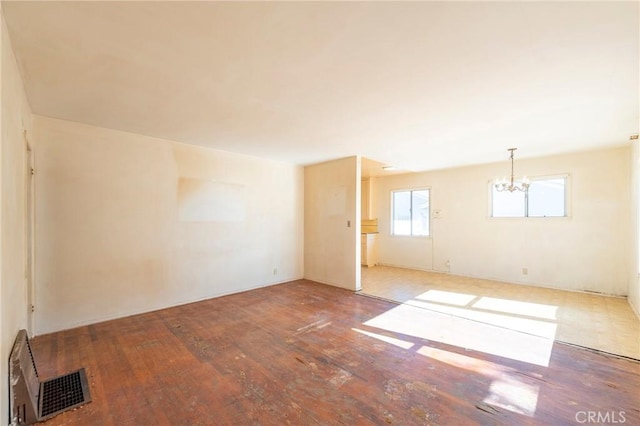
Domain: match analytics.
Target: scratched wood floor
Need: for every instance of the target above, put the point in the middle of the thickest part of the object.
(299, 353)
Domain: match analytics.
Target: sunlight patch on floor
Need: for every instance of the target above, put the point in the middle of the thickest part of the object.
(396, 342)
(507, 389)
(537, 310)
(540, 328)
(474, 365)
(513, 395)
(448, 297)
(426, 324)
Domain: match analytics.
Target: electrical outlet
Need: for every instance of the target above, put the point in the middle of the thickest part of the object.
(275, 271)
(525, 271)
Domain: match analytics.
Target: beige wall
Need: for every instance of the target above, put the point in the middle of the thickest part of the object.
(634, 276)
(16, 117)
(332, 223)
(127, 223)
(587, 251)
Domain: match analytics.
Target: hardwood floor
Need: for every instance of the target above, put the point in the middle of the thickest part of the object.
(304, 353)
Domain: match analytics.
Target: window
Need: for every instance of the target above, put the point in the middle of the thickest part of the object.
(546, 197)
(410, 212)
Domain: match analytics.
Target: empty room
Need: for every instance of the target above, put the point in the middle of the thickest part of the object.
(267, 213)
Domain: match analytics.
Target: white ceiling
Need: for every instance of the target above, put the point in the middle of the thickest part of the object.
(417, 85)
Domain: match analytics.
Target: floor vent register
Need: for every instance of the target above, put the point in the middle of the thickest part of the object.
(33, 400)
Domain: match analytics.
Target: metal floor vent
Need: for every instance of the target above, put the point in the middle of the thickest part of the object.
(63, 393)
(34, 401)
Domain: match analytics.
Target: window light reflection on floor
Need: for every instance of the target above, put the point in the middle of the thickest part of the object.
(537, 310)
(447, 297)
(474, 365)
(458, 331)
(536, 327)
(396, 342)
(508, 389)
(513, 395)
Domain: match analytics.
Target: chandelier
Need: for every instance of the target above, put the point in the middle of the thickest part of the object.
(512, 184)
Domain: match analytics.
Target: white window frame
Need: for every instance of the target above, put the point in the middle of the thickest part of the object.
(391, 230)
(567, 199)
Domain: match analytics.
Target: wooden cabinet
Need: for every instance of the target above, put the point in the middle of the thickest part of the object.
(369, 249)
